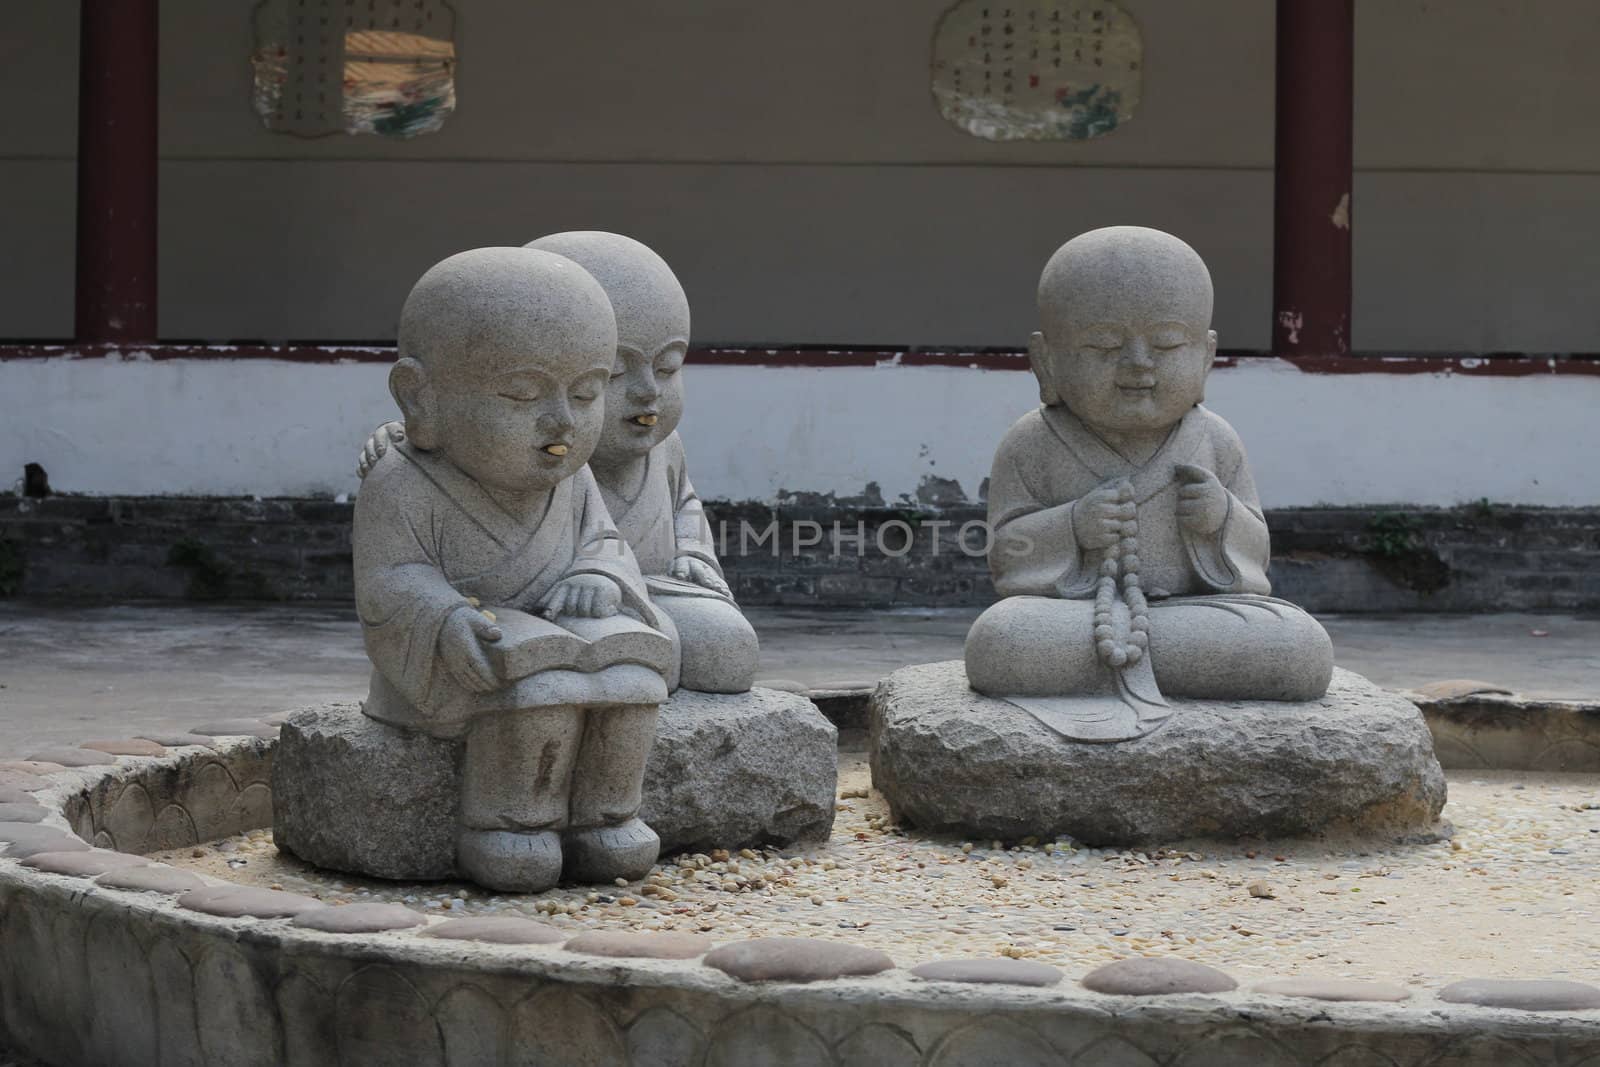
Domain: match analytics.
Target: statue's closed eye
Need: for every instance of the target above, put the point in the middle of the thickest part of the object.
(1101, 340)
(669, 360)
(1164, 337)
(522, 387)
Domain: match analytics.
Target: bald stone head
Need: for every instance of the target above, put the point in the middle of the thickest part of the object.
(504, 358)
(644, 401)
(1125, 339)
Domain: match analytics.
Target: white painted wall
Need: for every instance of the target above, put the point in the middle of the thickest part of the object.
(787, 159)
(216, 426)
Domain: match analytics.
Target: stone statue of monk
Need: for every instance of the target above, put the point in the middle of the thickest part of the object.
(1128, 540)
(485, 506)
(640, 465)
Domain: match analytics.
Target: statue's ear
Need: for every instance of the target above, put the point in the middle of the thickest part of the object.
(412, 390)
(1211, 360)
(1037, 353)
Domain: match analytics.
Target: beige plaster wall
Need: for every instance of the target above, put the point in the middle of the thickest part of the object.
(788, 160)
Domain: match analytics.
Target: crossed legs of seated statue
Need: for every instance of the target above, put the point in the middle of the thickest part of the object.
(555, 792)
(1224, 647)
(717, 647)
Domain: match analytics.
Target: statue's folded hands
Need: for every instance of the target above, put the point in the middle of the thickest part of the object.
(1202, 501)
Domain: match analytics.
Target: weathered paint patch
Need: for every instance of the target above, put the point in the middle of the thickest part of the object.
(1341, 212)
(1292, 321)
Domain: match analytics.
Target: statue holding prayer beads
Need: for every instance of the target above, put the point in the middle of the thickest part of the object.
(1130, 545)
(1130, 551)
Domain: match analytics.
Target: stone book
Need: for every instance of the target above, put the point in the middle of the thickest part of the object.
(530, 643)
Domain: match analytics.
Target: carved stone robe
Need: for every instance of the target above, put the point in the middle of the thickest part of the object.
(664, 520)
(427, 537)
(1050, 458)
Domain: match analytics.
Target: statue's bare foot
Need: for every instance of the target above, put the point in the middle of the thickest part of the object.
(509, 861)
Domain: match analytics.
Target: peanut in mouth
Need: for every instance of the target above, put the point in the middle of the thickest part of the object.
(556, 450)
(645, 420)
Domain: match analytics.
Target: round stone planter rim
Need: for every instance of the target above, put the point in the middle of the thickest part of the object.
(889, 992)
(897, 987)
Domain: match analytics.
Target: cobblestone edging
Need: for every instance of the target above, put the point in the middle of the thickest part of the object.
(1474, 558)
(93, 973)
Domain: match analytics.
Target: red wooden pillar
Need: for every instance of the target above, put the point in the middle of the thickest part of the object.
(117, 77)
(1311, 206)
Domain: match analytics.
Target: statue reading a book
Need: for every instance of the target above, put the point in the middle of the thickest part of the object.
(498, 602)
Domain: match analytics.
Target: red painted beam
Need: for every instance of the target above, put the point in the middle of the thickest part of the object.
(1311, 205)
(117, 79)
(1468, 364)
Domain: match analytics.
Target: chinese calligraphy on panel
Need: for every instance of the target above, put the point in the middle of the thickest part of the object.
(1037, 70)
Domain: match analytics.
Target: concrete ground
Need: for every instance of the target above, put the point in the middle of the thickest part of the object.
(71, 672)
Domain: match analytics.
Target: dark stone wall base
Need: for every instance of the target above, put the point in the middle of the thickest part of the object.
(810, 552)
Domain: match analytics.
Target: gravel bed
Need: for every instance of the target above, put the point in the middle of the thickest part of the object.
(1513, 894)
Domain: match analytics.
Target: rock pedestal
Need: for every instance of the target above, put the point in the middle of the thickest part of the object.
(725, 771)
(950, 760)
(729, 771)
(333, 762)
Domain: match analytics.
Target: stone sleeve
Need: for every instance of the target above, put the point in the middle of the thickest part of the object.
(1236, 559)
(1033, 549)
(601, 549)
(691, 532)
(402, 595)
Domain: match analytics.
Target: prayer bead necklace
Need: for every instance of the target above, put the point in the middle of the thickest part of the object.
(1121, 645)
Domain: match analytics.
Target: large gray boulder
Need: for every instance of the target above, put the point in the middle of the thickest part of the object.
(950, 760)
(734, 770)
(726, 771)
